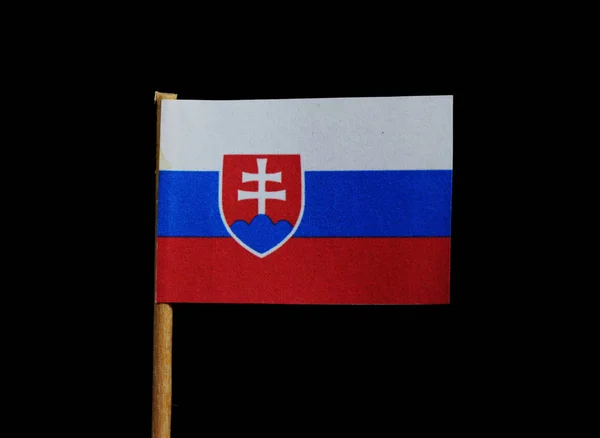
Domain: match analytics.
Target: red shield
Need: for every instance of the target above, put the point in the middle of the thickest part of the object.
(261, 199)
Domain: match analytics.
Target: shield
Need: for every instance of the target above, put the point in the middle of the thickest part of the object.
(261, 199)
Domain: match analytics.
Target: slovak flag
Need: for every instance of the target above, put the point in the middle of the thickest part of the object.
(305, 201)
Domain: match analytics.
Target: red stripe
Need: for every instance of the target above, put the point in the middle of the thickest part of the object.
(305, 271)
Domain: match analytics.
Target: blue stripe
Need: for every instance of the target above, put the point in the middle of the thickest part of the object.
(337, 204)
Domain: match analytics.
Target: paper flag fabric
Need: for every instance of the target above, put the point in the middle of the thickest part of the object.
(305, 201)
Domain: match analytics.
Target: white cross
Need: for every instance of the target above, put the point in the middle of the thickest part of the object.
(262, 177)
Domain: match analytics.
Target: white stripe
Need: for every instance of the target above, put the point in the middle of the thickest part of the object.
(375, 133)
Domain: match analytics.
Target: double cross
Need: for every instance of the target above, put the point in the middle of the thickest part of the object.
(262, 177)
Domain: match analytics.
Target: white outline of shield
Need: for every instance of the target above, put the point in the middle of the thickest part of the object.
(280, 244)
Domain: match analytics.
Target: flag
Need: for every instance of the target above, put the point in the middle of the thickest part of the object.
(305, 201)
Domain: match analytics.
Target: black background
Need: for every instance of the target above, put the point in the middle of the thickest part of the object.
(235, 364)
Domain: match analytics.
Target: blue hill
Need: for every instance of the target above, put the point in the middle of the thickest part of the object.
(261, 234)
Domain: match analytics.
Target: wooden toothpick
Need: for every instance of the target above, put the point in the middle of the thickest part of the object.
(163, 330)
